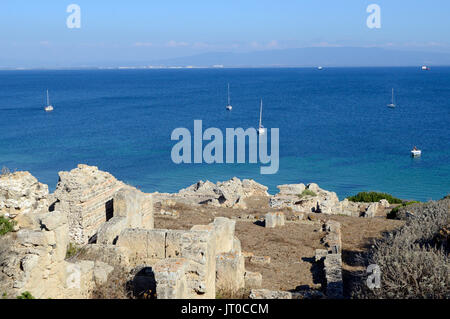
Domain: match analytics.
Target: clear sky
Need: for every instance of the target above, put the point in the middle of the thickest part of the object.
(34, 33)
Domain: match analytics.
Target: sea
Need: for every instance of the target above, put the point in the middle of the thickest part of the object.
(335, 128)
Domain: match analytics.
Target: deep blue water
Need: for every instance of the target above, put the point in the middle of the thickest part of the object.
(335, 127)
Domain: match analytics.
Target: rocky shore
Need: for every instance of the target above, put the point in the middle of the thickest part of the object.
(68, 244)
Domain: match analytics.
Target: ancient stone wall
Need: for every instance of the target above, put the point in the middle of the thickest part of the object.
(86, 194)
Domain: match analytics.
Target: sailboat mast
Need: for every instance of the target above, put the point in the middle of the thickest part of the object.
(228, 93)
(260, 114)
(392, 95)
(48, 100)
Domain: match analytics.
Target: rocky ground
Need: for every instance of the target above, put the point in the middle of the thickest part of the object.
(291, 248)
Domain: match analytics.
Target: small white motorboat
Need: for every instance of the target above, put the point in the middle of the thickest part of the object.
(261, 128)
(319, 68)
(229, 107)
(425, 68)
(415, 152)
(48, 108)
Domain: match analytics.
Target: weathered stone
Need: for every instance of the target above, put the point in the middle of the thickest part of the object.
(274, 220)
(230, 193)
(371, 210)
(109, 232)
(53, 220)
(199, 248)
(86, 194)
(230, 270)
(291, 189)
(269, 294)
(171, 279)
(143, 245)
(224, 229)
(260, 260)
(21, 193)
(101, 272)
(109, 254)
(320, 254)
(252, 279)
(384, 203)
(333, 274)
(135, 206)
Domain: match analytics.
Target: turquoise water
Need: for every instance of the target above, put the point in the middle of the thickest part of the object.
(335, 127)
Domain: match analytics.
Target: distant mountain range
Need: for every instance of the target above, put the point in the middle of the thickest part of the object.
(309, 57)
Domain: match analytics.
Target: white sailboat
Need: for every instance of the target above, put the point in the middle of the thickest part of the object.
(48, 108)
(229, 107)
(261, 128)
(392, 102)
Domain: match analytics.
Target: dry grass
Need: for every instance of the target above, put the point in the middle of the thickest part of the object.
(116, 287)
(413, 264)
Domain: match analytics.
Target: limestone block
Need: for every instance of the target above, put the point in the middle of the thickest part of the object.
(333, 274)
(384, 203)
(230, 270)
(79, 277)
(110, 231)
(291, 189)
(53, 220)
(274, 219)
(101, 272)
(28, 237)
(136, 206)
(269, 294)
(260, 260)
(320, 254)
(109, 254)
(143, 244)
(198, 247)
(171, 279)
(237, 245)
(371, 210)
(62, 241)
(252, 279)
(224, 234)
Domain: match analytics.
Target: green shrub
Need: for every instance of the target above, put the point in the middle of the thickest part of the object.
(307, 192)
(72, 250)
(368, 197)
(25, 295)
(394, 213)
(6, 225)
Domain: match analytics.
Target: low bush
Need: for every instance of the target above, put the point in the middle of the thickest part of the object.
(72, 250)
(25, 295)
(395, 212)
(6, 225)
(369, 197)
(307, 192)
(412, 263)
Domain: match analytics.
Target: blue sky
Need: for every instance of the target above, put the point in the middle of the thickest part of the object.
(34, 33)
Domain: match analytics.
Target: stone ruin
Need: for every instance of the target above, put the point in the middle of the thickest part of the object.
(332, 259)
(294, 198)
(113, 223)
(231, 193)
